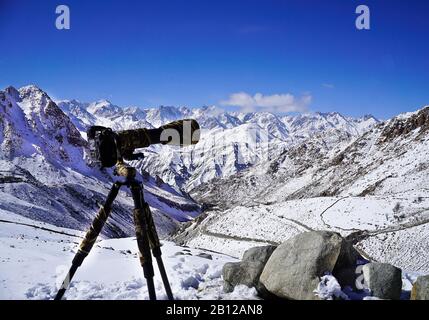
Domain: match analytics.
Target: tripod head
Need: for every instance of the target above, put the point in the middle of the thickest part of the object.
(107, 147)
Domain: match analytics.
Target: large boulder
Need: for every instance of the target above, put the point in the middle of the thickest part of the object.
(420, 289)
(294, 269)
(247, 271)
(383, 280)
(258, 254)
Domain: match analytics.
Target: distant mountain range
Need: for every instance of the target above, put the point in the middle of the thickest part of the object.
(229, 140)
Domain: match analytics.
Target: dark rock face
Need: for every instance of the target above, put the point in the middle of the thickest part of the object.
(58, 120)
(420, 289)
(383, 280)
(247, 271)
(400, 127)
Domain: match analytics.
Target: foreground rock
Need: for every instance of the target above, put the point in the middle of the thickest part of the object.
(383, 280)
(247, 271)
(421, 289)
(294, 269)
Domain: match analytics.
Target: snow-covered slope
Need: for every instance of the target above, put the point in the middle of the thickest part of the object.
(35, 257)
(44, 175)
(307, 125)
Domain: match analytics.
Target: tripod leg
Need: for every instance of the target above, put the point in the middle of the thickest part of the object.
(89, 239)
(156, 250)
(143, 240)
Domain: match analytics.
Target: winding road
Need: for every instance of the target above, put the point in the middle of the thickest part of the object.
(40, 228)
(356, 235)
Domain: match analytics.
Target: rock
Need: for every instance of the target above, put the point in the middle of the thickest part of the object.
(190, 282)
(258, 254)
(294, 269)
(247, 271)
(383, 280)
(181, 253)
(235, 273)
(420, 289)
(205, 255)
(399, 126)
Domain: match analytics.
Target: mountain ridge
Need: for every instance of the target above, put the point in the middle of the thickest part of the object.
(231, 134)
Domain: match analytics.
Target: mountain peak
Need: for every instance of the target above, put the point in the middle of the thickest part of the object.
(330, 114)
(33, 92)
(103, 107)
(31, 89)
(103, 101)
(74, 101)
(367, 117)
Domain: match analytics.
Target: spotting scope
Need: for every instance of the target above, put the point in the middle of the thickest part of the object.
(107, 146)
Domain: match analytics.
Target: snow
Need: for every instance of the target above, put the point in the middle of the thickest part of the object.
(34, 261)
(329, 289)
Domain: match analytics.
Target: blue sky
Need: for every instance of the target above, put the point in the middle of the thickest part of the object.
(193, 52)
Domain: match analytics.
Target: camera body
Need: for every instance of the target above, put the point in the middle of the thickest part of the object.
(103, 148)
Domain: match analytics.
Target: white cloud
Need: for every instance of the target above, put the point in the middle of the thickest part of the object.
(284, 102)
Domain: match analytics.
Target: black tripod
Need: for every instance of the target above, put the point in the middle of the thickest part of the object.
(147, 237)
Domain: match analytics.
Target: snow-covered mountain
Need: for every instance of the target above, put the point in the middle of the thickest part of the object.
(33, 124)
(230, 141)
(384, 160)
(373, 189)
(307, 125)
(44, 175)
